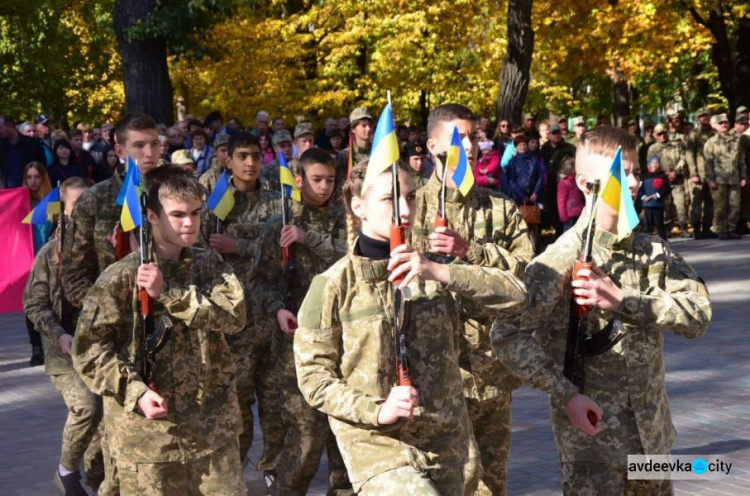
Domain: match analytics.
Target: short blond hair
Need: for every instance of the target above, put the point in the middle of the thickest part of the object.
(604, 141)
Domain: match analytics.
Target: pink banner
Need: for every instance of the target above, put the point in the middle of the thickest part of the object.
(16, 248)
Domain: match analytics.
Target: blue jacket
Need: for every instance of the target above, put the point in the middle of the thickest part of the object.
(655, 183)
(525, 177)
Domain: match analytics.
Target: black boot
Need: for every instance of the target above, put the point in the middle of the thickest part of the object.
(37, 356)
(69, 485)
(685, 234)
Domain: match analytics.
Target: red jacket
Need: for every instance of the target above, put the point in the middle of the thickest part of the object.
(569, 198)
(490, 161)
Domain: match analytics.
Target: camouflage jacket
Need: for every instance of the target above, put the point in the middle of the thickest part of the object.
(419, 178)
(202, 300)
(722, 160)
(270, 176)
(325, 228)
(342, 167)
(693, 157)
(672, 156)
(499, 238)
(344, 354)
(42, 304)
(209, 178)
(88, 250)
(661, 293)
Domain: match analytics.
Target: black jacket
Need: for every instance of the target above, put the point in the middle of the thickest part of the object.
(28, 150)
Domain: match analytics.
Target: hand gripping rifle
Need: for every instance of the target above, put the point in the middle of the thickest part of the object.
(401, 340)
(288, 266)
(67, 310)
(580, 342)
(441, 219)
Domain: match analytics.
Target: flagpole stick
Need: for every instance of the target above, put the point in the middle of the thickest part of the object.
(389, 97)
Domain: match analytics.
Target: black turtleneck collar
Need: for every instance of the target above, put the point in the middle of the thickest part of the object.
(374, 249)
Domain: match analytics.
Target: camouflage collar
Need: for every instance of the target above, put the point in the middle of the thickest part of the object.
(608, 240)
(452, 195)
(305, 211)
(172, 268)
(370, 270)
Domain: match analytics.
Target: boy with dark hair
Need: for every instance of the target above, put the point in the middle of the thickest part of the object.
(178, 433)
(637, 284)
(653, 193)
(316, 236)
(485, 228)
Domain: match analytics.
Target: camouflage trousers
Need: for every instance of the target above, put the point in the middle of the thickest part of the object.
(414, 480)
(486, 470)
(680, 201)
(111, 484)
(254, 360)
(726, 207)
(307, 434)
(218, 473)
(81, 435)
(702, 207)
(603, 479)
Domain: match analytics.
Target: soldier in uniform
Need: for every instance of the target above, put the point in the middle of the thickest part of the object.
(282, 143)
(316, 236)
(176, 429)
(416, 156)
(361, 132)
(579, 127)
(701, 205)
(486, 229)
(218, 163)
(90, 239)
(304, 138)
(647, 288)
(394, 439)
(672, 157)
(725, 178)
(254, 204)
(43, 302)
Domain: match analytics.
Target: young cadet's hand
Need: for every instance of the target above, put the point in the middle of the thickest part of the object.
(66, 343)
(448, 242)
(292, 234)
(597, 290)
(406, 261)
(152, 405)
(224, 244)
(578, 409)
(287, 321)
(150, 278)
(400, 404)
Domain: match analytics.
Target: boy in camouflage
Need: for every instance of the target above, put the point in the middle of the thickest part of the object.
(394, 439)
(638, 281)
(486, 230)
(178, 436)
(254, 204)
(316, 235)
(43, 303)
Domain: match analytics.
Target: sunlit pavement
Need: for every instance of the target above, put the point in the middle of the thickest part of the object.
(708, 382)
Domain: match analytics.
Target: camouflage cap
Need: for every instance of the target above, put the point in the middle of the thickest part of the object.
(722, 118)
(221, 139)
(182, 157)
(358, 114)
(659, 128)
(631, 121)
(702, 111)
(741, 109)
(554, 128)
(742, 119)
(303, 128)
(416, 149)
(281, 136)
(528, 115)
(578, 120)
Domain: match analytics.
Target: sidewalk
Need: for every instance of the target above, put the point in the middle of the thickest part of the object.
(708, 382)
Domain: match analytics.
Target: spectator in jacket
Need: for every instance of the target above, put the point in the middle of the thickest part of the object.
(80, 157)
(487, 171)
(64, 165)
(654, 190)
(525, 174)
(201, 152)
(16, 150)
(569, 198)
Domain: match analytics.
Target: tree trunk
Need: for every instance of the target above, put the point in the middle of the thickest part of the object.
(145, 70)
(742, 63)
(514, 77)
(621, 101)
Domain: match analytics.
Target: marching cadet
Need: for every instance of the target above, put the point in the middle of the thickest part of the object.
(645, 288)
(93, 229)
(218, 163)
(405, 439)
(282, 143)
(177, 422)
(254, 204)
(316, 235)
(360, 135)
(43, 303)
(672, 156)
(485, 229)
(416, 156)
(701, 203)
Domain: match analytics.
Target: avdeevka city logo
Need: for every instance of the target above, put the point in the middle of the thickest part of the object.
(699, 466)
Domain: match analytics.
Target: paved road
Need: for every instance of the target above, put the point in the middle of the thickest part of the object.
(708, 383)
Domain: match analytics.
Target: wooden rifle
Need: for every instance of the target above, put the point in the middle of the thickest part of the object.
(145, 308)
(67, 310)
(401, 340)
(441, 218)
(288, 266)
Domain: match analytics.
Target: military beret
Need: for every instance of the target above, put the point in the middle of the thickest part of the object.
(416, 149)
(303, 128)
(358, 114)
(281, 136)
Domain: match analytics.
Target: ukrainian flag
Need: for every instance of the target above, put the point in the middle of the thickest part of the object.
(49, 206)
(384, 148)
(221, 200)
(287, 179)
(617, 195)
(463, 176)
(131, 166)
(131, 215)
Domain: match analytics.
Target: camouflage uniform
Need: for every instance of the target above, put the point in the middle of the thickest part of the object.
(42, 302)
(498, 237)
(342, 166)
(202, 300)
(270, 176)
(345, 362)
(661, 293)
(307, 429)
(419, 178)
(251, 348)
(702, 205)
(209, 178)
(722, 168)
(673, 159)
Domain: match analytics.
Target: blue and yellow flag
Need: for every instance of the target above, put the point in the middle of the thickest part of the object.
(287, 179)
(49, 206)
(131, 215)
(131, 166)
(221, 199)
(463, 176)
(617, 195)
(384, 148)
